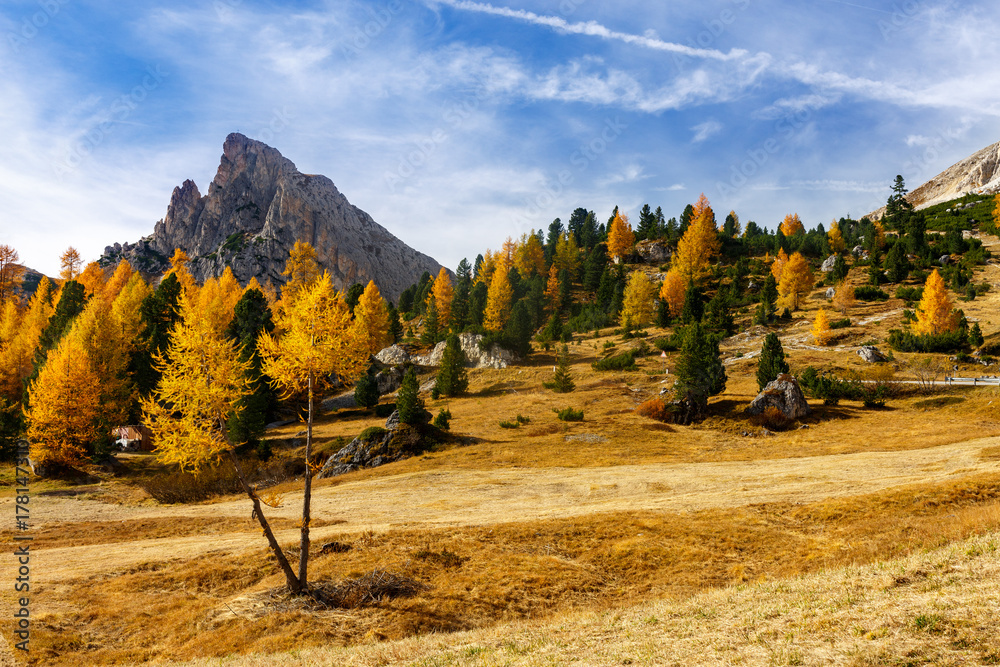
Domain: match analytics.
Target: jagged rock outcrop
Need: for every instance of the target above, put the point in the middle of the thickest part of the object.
(978, 173)
(828, 264)
(475, 357)
(378, 446)
(871, 354)
(255, 209)
(783, 393)
(653, 251)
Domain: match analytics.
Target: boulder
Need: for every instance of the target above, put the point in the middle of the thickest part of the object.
(830, 293)
(495, 357)
(783, 393)
(396, 442)
(871, 354)
(857, 251)
(752, 286)
(827, 265)
(389, 380)
(944, 260)
(653, 251)
(394, 355)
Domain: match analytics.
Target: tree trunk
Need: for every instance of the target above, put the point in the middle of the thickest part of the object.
(294, 585)
(306, 498)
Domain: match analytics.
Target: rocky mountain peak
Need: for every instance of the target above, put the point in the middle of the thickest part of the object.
(257, 206)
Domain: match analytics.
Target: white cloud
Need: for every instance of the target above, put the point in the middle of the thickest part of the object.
(703, 131)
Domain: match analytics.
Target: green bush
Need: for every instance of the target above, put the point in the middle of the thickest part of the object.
(372, 433)
(840, 324)
(569, 414)
(869, 293)
(907, 341)
(507, 424)
(442, 421)
(619, 362)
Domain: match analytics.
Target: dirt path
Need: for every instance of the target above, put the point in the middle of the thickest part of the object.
(439, 499)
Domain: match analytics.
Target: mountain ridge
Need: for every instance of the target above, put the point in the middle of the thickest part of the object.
(255, 209)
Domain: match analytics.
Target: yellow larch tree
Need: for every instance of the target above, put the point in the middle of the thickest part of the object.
(621, 238)
(498, 302)
(178, 267)
(371, 317)
(672, 291)
(835, 237)
(70, 263)
(489, 266)
(530, 257)
(443, 293)
(821, 328)
(791, 225)
(637, 303)
(10, 272)
(106, 346)
(116, 283)
(17, 350)
(93, 279)
(64, 405)
(301, 269)
(796, 280)
(567, 255)
(216, 300)
(935, 313)
(778, 265)
(270, 295)
(507, 254)
(200, 388)
(996, 210)
(552, 299)
(843, 297)
(319, 340)
(699, 243)
(879, 232)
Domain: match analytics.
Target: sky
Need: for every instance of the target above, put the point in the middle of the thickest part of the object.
(457, 123)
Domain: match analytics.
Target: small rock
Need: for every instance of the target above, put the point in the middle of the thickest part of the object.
(830, 293)
(871, 354)
(944, 260)
(827, 265)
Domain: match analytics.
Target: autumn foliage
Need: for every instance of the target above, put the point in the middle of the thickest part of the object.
(621, 239)
(792, 225)
(637, 307)
(821, 328)
(498, 302)
(796, 280)
(935, 314)
(371, 317)
(699, 243)
(672, 291)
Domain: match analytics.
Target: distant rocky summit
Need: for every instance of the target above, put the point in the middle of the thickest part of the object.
(255, 210)
(978, 173)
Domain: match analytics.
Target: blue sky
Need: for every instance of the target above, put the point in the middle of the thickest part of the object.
(457, 123)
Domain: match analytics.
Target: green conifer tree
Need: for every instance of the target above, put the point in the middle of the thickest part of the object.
(562, 381)
(452, 378)
(771, 362)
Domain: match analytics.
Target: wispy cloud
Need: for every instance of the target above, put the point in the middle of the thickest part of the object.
(703, 131)
(594, 29)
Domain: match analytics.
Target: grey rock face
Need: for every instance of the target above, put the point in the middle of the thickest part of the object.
(827, 265)
(871, 354)
(255, 209)
(944, 260)
(653, 251)
(393, 355)
(495, 357)
(398, 441)
(783, 393)
(830, 293)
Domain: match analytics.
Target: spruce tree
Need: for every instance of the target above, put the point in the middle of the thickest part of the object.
(699, 370)
(840, 269)
(975, 335)
(694, 304)
(366, 390)
(251, 317)
(452, 378)
(395, 326)
(517, 332)
(158, 314)
(431, 328)
(562, 382)
(896, 263)
(772, 361)
(408, 401)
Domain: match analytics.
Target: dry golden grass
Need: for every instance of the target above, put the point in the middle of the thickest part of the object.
(935, 607)
(216, 604)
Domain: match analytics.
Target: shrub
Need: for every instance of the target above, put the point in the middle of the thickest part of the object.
(619, 362)
(869, 293)
(372, 433)
(910, 294)
(383, 410)
(840, 324)
(507, 424)
(569, 415)
(442, 420)
(366, 390)
(772, 418)
(656, 408)
(907, 341)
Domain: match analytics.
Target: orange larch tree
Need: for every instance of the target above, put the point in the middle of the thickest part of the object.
(835, 237)
(10, 272)
(672, 291)
(371, 317)
(444, 294)
(843, 297)
(552, 290)
(792, 225)
(489, 266)
(70, 264)
(699, 243)
(498, 302)
(505, 258)
(935, 313)
(796, 280)
(821, 328)
(178, 267)
(621, 238)
(17, 349)
(778, 265)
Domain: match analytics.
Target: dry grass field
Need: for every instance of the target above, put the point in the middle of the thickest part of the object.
(857, 537)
